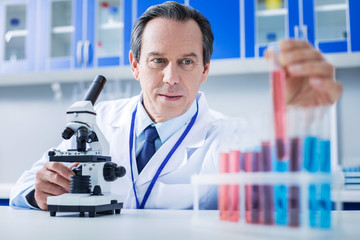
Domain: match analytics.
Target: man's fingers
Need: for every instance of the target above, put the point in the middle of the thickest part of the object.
(59, 168)
(41, 199)
(291, 44)
(50, 188)
(330, 89)
(73, 165)
(46, 175)
(312, 69)
(317, 92)
(52, 180)
(299, 56)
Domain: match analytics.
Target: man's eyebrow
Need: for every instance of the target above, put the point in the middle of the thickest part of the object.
(192, 54)
(155, 54)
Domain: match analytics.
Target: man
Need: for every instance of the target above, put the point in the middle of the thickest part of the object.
(171, 47)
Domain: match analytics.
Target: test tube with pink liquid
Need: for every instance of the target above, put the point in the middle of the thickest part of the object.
(229, 202)
(278, 88)
(234, 167)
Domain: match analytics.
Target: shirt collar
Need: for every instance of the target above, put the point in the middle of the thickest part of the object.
(165, 129)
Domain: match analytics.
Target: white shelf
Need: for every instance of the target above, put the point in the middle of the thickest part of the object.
(64, 76)
(63, 29)
(272, 12)
(223, 67)
(111, 26)
(331, 7)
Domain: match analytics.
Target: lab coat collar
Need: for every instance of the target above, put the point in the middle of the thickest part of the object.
(117, 120)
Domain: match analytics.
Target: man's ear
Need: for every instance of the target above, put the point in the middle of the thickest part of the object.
(134, 65)
(205, 72)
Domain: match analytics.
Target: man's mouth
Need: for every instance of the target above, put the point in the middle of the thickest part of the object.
(170, 96)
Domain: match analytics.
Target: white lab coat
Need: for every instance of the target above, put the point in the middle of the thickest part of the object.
(198, 154)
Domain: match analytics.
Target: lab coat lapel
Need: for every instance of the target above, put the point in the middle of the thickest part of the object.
(121, 124)
(194, 139)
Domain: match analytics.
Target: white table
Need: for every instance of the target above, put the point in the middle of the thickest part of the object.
(130, 224)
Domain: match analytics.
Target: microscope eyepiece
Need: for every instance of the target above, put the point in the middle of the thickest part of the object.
(95, 89)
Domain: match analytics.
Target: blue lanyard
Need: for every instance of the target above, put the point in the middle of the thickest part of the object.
(168, 156)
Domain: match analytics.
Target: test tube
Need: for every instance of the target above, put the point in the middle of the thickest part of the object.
(295, 123)
(311, 158)
(278, 84)
(255, 191)
(251, 163)
(224, 188)
(247, 166)
(224, 160)
(223, 196)
(280, 195)
(248, 187)
(267, 203)
(325, 167)
(234, 167)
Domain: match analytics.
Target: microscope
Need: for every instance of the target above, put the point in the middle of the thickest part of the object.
(91, 186)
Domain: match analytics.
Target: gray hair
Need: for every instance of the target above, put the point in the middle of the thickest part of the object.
(173, 11)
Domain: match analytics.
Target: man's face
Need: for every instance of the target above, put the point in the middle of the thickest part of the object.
(170, 69)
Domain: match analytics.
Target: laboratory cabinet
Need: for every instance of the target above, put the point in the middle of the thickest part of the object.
(224, 19)
(83, 33)
(17, 31)
(330, 25)
(225, 23)
(333, 25)
(50, 35)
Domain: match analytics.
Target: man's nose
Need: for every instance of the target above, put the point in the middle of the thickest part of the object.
(171, 74)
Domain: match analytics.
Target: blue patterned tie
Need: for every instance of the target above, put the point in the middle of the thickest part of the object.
(149, 147)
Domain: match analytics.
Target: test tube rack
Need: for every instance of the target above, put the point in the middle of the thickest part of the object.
(211, 221)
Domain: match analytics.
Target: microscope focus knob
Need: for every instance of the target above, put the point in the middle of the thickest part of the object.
(67, 133)
(112, 171)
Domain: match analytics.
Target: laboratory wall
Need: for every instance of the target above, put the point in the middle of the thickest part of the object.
(33, 116)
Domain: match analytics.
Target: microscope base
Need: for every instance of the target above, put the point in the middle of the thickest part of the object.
(81, 203)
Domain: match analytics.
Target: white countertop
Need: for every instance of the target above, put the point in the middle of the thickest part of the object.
(139, 224)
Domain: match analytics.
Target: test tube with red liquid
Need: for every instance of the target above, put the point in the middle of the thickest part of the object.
(234, 167)
(248, 155)
(278, 81)
(229, 163)
(234, 136)
(224, 188)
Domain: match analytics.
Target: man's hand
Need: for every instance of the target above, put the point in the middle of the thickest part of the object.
(309, 77)
(52, 180)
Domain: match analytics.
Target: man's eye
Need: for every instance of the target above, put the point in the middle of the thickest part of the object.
(187, 61)
(158, 60)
